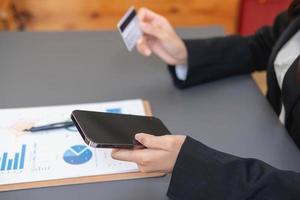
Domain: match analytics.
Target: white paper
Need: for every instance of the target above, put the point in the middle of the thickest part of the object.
(55, 154)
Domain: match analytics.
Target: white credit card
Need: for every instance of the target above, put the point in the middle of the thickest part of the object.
(130, 29)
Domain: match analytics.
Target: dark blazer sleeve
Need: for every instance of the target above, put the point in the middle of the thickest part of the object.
(215, 58)
(203, 173)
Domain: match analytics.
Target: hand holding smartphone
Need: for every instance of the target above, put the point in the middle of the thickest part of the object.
(109, 130)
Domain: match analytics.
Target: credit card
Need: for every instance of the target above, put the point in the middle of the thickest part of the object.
(130, 29)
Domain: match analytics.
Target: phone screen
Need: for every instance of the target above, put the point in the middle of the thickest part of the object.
(109, 130)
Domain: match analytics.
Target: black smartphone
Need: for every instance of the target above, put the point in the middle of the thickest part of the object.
(109, 130)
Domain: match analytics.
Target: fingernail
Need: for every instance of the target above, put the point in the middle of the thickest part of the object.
(147, 52)
(137, 136)
(140, 41)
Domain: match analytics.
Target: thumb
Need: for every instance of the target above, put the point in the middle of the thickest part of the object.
(151, 141)
(143, 47)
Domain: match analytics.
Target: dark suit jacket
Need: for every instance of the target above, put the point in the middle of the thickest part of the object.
(204, 173)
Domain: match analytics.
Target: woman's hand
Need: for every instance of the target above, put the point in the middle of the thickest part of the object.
(159, 155)
(160, 38)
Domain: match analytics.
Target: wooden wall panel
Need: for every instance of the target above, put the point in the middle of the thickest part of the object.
(104, 14)
(8, 19)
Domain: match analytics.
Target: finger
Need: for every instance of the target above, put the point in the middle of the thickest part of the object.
(154, 160)
(142, 47)
(140, 156)
(125, 155)
(151, 141)
(115, 150)
(145, 169)
(153, 30)
(142, 14)
(160, 51)
(146, 15)
(149, 169)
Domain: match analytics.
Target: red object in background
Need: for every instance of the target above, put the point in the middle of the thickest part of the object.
(257, 13)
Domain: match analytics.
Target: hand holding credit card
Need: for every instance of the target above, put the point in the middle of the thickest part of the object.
(130, 29)
(152, 33)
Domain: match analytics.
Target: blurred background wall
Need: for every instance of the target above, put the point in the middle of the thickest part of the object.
(236, 16)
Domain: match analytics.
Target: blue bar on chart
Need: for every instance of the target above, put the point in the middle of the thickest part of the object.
(22, 156)
(16, 162)
(114, 110)
(3, 164)
(9, 165)
(13, 163)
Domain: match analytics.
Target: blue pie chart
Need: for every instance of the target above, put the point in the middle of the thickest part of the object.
(77, 154)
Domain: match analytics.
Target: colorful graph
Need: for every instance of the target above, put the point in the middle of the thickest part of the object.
(15, 163)
(114, 110)
(77, 154)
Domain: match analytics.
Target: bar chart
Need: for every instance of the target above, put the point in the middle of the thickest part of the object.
(16, 162)
(55, 154)
(114, 110)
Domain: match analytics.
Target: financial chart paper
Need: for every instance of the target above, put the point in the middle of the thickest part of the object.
(55, 154)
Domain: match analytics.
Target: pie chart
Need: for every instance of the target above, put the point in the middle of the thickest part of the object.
(77, 154)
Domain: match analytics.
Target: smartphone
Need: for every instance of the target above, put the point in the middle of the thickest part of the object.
(110, 130)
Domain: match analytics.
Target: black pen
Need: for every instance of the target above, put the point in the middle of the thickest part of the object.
(53, 126)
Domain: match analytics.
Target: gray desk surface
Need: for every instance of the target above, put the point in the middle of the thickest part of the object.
(63, 68)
